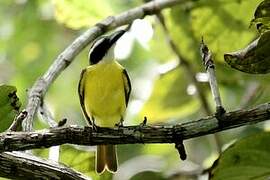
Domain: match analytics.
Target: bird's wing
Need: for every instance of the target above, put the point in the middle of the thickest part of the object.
(81, 95)
(127, 85)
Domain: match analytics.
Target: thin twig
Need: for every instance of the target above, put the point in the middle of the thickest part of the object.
(210, 68)
(17, 121)
(46, 114)
(62, 122)
(41, 86)
(183, 62)
(14, 141)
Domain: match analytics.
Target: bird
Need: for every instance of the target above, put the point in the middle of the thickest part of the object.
(104, 90)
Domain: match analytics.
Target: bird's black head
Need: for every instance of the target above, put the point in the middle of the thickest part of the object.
(102, 45)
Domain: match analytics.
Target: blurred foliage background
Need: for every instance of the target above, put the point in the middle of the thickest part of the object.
(34, 32)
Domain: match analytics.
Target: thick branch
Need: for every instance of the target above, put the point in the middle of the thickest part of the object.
(10, 141)
(18, 165)
(66, 57)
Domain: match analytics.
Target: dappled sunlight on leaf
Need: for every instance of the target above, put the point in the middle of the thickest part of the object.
(216, 22)
(77, 14)
(79, 159)
(169, 98)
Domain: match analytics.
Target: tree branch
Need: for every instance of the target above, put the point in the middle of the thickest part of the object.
(66, 57)
(18, 165)
(13, 141)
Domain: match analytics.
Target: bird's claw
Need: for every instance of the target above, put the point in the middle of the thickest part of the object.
(119, 125)
(94, 126)
(144, 122)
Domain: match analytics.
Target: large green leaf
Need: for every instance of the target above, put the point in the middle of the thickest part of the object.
(246, 159)
(81, 160)
(9, 105)
(84, 13)
(262, 16)
(217, 21)
(255, 58)
(80, 13)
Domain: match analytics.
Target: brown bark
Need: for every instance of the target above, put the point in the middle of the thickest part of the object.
(10, 141)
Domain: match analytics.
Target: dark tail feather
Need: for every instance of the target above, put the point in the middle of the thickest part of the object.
(111, 158)
(106, 158)
(100, 159)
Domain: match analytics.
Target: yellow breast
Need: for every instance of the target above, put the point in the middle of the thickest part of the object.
(104, 93)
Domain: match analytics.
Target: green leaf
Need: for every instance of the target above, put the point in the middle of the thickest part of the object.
(254, 59)
(80, 13)
(9, 105)
(84, 13)
(216, 21)
(246, 159)
(78, 159)
(169, 98)
(82, 160)
(262, 16)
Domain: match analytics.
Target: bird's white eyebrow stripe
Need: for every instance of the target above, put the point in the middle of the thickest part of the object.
(95, 45)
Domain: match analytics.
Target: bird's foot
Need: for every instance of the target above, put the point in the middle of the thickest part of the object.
(119, 125)
(144, 122)
(94, 126)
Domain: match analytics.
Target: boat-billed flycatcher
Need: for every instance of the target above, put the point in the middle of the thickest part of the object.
(104, 90)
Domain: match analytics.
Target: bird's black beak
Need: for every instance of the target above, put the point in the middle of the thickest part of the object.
(115, 36)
